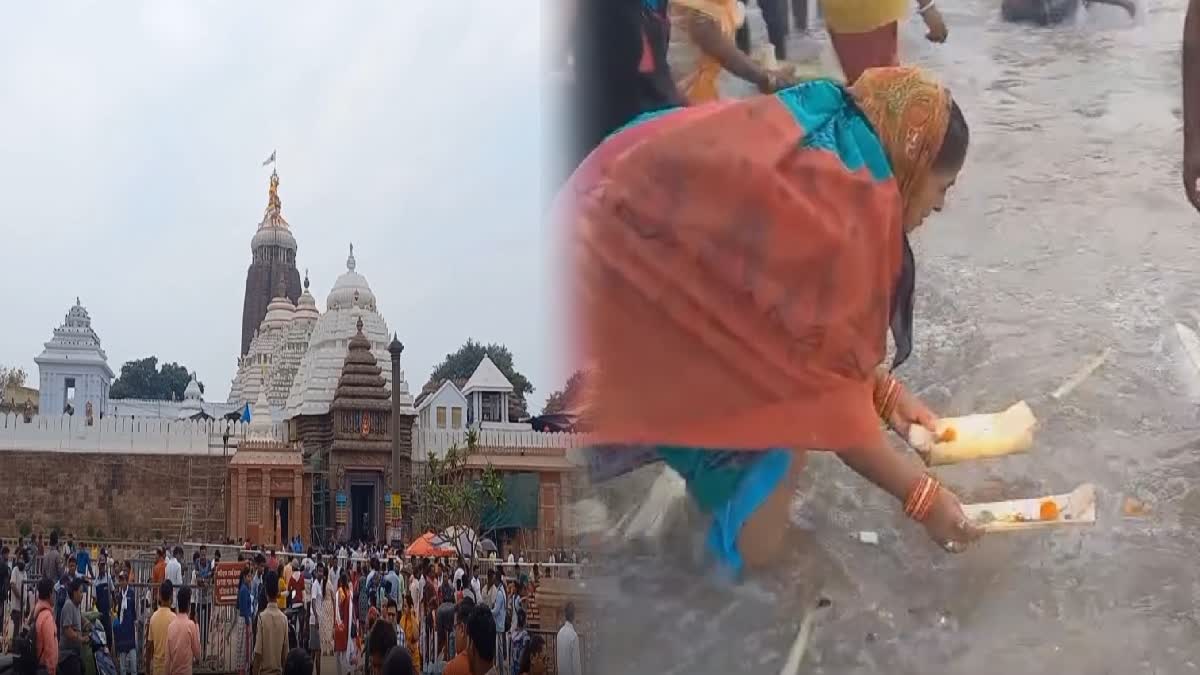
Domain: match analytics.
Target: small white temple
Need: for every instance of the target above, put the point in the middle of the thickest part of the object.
(73, 370)
(484, 398)
(316, 377)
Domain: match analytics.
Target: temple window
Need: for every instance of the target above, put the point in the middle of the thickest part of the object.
(456, 421)
(441, 417)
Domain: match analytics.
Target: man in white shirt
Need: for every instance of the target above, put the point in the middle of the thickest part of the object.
(175, 572)
(567, 645)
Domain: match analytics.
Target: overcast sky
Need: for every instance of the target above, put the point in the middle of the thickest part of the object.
(132, 137)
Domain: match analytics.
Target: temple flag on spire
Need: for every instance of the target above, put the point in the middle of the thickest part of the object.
(246, 413)
(269, 160)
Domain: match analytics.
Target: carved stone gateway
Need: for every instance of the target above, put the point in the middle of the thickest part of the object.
(360, 458)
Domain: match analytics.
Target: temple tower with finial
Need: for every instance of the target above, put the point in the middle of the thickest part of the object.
(273, 261)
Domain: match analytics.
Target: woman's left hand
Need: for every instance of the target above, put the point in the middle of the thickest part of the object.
(911, 410)
(936, 25)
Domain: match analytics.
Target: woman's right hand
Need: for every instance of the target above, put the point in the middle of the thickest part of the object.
(779, 78)
(948, 526)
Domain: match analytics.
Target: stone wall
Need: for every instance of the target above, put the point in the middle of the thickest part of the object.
(114, 496)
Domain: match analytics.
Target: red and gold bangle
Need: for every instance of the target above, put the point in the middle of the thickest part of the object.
(920, 499)
(885, 405)
(884, 385)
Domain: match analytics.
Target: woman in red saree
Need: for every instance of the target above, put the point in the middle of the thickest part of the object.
(735, 271)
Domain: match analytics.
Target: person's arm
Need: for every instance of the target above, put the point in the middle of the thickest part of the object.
(149, 653)
(707, 35)
(256, 659)
(899, 474)
(1191, 102)
(195, 631)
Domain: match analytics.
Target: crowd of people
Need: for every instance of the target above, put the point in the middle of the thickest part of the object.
(355, 603)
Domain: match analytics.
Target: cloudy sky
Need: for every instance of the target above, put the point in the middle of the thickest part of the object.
(132, 137)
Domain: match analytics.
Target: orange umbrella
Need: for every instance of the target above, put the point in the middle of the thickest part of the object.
(424, 547)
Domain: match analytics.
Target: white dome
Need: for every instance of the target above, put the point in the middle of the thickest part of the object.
(351, 289)
(193, 393)
(279, 313)
(273, 236)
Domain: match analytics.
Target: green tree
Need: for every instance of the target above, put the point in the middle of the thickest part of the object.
(454, 495)
(142, 378)
(566, 398)
(458, 367)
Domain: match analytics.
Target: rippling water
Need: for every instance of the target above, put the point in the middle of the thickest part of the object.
(1068, 234)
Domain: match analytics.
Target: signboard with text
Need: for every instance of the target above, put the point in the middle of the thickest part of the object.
(226, 577)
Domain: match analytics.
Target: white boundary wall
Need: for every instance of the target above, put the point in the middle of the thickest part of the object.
(438, 441)
(122, 435)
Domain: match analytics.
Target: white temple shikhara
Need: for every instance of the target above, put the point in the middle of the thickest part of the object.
(72, 369)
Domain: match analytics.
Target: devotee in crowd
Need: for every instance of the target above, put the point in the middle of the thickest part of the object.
(70, 621)
(380, 641)
(183, 637)
(271, 640)
(391, 615)
(125, 628)
(245, 605)
(775, 16)
(566, 644)
(400, 662)
(394, 585)
(159, 573)
(410, 626)
(499, 609)
(702, 46)
(5, 583)
(18, 605)
(316, 598)
(102, 594)
(867, 35)
(444, 618)
(533, 658)
(620, 68)
(156, 636)
(175, 568)
(341, 626)
(202, 576)
(460, 663)
(45, 627)
(1191, 103)
(299, 662)
(907, 140)
(520, 641)
(481, 648)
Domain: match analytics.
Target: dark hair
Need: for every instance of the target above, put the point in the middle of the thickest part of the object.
(398, 662)
(462, 613)
(481, 628)
(382, 638)
(535, 646)
(298, 663)
(178, 552)
(391, 602)
(184, 599)
(45, 588)
(569, 612)
(270, 584)
(954, 144)
(521, 618)
(165, 591)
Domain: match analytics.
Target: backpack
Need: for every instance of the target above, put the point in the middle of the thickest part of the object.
(25, 648)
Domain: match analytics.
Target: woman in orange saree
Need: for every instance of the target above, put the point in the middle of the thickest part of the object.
(735, 270)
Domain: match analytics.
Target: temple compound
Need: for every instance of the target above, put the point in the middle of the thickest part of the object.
(335, 446)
